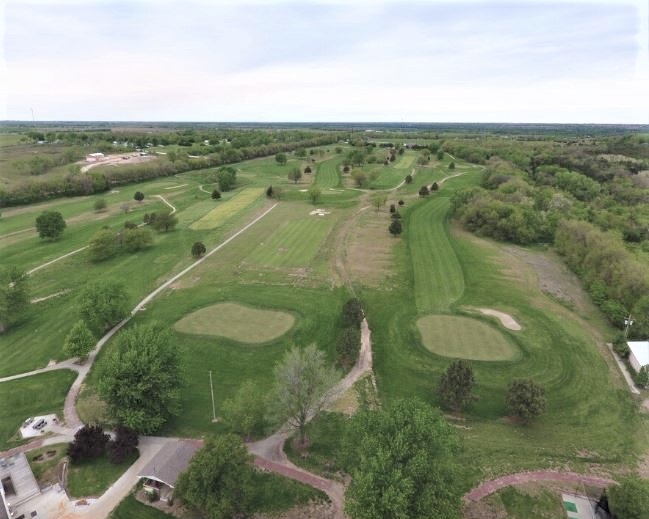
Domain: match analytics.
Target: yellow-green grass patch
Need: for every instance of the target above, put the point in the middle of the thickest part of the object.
(294, 244)
(225, 210)
(237, 322)
(464, 338)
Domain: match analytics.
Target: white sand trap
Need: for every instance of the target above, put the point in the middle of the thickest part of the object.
(303, 190)
(506, 320)
(114, 191)
(319, 212)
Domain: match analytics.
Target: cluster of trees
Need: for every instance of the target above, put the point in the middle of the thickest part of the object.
(225, 177)
(106, 243)
(41, 163)
(617, 282)
(101, 179)
(14, 296)
(162, 221)
(348, 343)
(91, 442)
(524, 400)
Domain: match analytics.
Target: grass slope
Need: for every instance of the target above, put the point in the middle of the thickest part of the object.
(93, 477)
(22, 398)
(237, 322)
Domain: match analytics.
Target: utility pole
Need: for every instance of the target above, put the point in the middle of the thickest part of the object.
(628, 322)
(212, 392)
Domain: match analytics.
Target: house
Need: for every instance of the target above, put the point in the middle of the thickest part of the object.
(639, 355)
(94, 157)
(161, 473)
(17, 483)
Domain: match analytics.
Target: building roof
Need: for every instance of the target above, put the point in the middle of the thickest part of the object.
(640, 350)
(24, 484)
(170, 462)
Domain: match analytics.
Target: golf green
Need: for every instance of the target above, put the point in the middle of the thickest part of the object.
(237, 322)
(464, 338)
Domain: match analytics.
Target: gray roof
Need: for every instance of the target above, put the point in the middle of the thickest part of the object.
(170, 461)
(22, 479)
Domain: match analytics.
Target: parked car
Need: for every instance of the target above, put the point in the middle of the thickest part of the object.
(40, 424)
(28, 421)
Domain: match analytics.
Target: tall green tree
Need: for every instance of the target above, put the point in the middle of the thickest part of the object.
(103, 304)
(455, 388)
(314, 194)
(401, 459)
(395, 227)
(281, 159)
(79, 342)
(295, 175)
(102, 245)
(164, 221)
(141, 379)
(227, 178)
(219, 482)
(303, 380)
(245, 413)
(14, 296)
(525, 399)
(50, 225)
(630, 499)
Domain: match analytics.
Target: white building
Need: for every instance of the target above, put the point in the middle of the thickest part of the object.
(639, 355)
(94, 157)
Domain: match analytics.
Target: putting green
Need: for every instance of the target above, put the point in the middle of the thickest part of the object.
(237, 322)
(464, 338)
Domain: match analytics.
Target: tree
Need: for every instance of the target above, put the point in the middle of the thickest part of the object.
(164, 221)
(100, 204)
(281, 158)
(226, 177)
(295, 175)
(307, 170)
(102, 245)
(124, 446)
(455, 388)
(451, 165)
(136, 239)
(434, 187)
(360, 178)
(141, 379)
(525, 399)
(630, 499)
(352, 312)
(50, 224)
(348, 345)
(302, 382)
(245, 412)
(125, 207)
(89, 443)
(379, 200)
(172, 155)
(396, 215)
(138, 196)
(79, 342)
(269, 192)
(216, 194)
(401, 203)
(440, 155)
(14, 296)
(393, 208)
(401, 459)
(314, 194)
(395, 227)
(102, 305)
(198, 249)
(219, 481)
(423, 191)
(408, 179)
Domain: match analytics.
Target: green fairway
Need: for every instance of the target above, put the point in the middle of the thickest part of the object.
(226, 210)
(438, 277)
(328, 173)
(464, 338)
(237, 322)
(25, 397)
(295, 243)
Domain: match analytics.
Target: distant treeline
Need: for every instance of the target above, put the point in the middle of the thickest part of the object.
(97, 181)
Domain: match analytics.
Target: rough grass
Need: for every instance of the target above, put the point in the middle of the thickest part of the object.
(226, 210)
(43, 469)
(438, 277)
(237, 322)
(294, 244)
(464, 338)
(131, 508)
(37, 395)
(328, 173)
(93, 477)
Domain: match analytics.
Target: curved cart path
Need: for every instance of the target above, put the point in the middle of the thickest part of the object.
(489, 487)
(173, 208)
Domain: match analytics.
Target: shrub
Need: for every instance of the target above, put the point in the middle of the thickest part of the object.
(100, 204)
(89, 443)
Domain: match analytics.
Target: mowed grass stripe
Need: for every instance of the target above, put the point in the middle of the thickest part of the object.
(327, 174)
(464, 338)
(227, 209)
(294, 244)
(439, 280)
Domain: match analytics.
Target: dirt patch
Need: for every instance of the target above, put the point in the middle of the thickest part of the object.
(505, 319)
(116, 160)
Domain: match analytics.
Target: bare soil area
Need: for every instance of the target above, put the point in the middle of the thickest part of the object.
(116, 160)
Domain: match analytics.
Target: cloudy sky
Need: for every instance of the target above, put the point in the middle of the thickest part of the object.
(199, 60)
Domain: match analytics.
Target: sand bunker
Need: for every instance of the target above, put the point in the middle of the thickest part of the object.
(319, 212)
(505, 319)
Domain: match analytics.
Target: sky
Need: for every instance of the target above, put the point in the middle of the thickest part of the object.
(547, 61)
